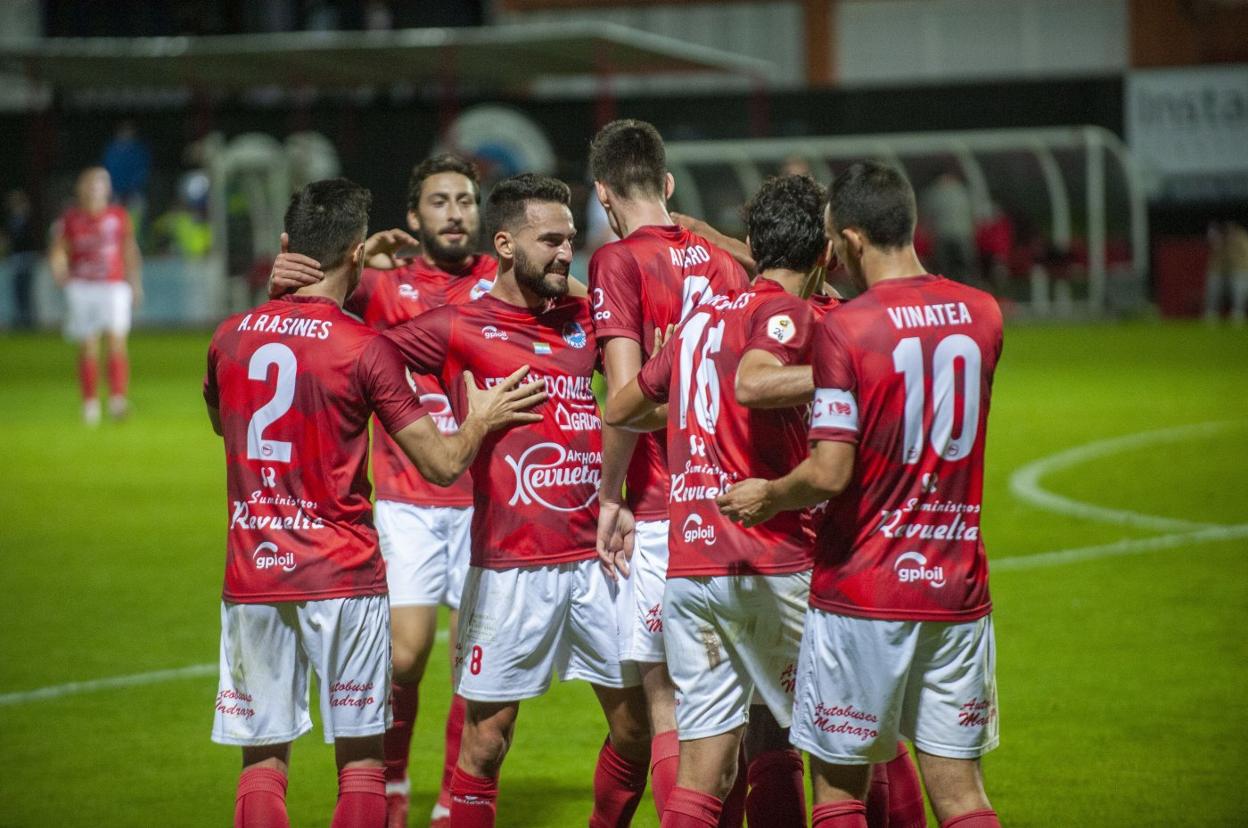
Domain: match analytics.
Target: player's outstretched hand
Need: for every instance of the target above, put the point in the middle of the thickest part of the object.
(747, 502)
(381, 249)
(507, 403)
(292, 271)
(616, 538)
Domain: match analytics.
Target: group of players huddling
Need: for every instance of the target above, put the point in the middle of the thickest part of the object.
(766, 540)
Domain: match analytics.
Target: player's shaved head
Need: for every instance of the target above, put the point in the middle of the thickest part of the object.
(628, 156)
(441, 163)
(784, 221)
(875, 199)
(507, 206)
(326, 219)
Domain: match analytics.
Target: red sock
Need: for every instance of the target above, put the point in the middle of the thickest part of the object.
(118, 374)
(776, 796)
(361, 798)
(404, 702)
(618, 786)
(474, 800)
(687, 808)
(733, 814)
(450, 758)
(986, 818)
(88, 377)
(878, 813)
(664, 762)
(905, 792)
(261, 799)
(848, 813)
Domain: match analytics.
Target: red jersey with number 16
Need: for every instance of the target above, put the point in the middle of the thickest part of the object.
(295, 381)
(905, 372)
(383, 299)
(714, 441)
(535, 485)
(651, 279)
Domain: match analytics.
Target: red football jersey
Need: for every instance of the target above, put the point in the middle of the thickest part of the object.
(96, 243)
(905, 372)
(652, 279)
(714, 441)
(295, 381)
(535, 486)
(383, 299)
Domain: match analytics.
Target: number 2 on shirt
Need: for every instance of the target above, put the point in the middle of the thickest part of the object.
(271, 353)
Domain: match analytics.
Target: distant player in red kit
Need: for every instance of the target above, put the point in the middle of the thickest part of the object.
(898, 638)
(95, 258)
(535, 601)
(651, 278)
(738, 394)
(290, 386)
(424, 529)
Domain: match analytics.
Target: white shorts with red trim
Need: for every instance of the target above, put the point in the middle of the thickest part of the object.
(519, 626)
(427, 549)
(267, 651)
(863, 682)
(641, 604)
(727, 637)
(93, 308)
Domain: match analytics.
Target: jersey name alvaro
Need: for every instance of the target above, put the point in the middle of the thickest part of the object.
(905, 372)
(383, 299)
(295, 381)
(652, 279)
(96, 243)
(714, 441)
(535, 485)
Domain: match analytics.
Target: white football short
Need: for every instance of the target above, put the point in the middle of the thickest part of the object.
(92, 308)
(861, 682)
(727, 636)
(267, 651)
(427, 549)
(518, 626)
(641, 595)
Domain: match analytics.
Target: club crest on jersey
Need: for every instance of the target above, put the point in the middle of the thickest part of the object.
(267, 556)
(409, 292)
(541, 349)
(574, 334)
(912, 568)
(781, 328)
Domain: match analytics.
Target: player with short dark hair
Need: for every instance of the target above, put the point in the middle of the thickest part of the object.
(651, 278)
(290, 386)
(534, 601)
(898, 638)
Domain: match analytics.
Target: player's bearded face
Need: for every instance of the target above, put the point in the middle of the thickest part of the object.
(547, 278)
(449, 218)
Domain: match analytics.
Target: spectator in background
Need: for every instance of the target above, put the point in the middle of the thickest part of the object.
(994, 240)
(184, 229)
(1228, 262)
(20, 245)
(945, 209)
(129, 164)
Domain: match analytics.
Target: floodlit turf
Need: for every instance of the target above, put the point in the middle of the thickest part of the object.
(1121, 678)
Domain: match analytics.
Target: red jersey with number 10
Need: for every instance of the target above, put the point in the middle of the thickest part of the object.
(714, 441)
(652, 279)
(383, 299)
(535, 485)
(905, 372)
(295, 381)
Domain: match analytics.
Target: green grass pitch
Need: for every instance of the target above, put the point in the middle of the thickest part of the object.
(1122, 676)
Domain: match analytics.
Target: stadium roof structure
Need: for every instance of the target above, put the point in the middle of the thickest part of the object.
(493, 56)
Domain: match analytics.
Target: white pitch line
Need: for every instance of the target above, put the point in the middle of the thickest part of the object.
(75, 688)
(1025, 481)
(1129, 546)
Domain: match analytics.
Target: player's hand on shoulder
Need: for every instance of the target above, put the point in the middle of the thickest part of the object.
(292, 271)
(747, 502)
(506, 404)
(693, 225)
(381, 250)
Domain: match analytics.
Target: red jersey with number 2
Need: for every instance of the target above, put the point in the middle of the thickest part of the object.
(295, 381)
(383, 299)
(905, 372)
(714, 441)
(535, 485)
(651, 279)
